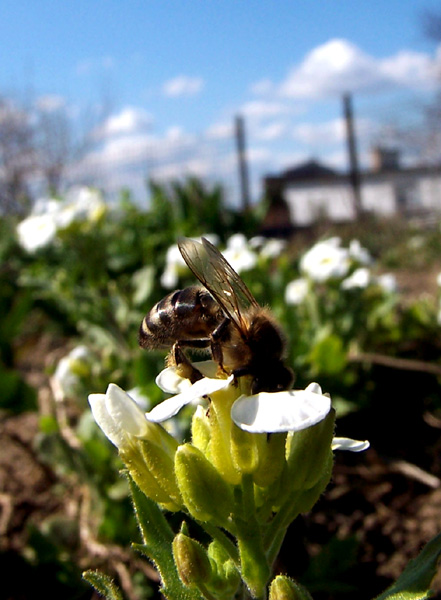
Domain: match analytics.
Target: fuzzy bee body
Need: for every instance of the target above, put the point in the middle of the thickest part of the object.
(188, 314)
(244, 338)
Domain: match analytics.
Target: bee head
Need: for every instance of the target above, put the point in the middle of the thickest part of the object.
(276, 377)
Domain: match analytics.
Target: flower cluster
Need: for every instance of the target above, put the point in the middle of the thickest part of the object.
(253, 464)
(242, 254)
(49, 215)
(329, 261)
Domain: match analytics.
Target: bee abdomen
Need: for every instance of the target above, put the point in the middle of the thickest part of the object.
(186, 313)
(154, 331)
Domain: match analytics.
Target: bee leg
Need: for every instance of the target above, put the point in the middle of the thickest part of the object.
(180, 359)
(216, 347)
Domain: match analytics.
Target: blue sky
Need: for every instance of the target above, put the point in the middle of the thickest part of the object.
(178, 71)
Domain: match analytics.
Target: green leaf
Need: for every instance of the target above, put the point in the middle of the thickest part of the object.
(158, 537)
(328, 355)
(103, 584)
(414, 582)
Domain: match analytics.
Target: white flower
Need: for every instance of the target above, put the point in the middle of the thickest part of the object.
(36, 231)
(66, 377)
(174, 267)
(326, 260)
(267, 247)
(139, 397)
(49, 215)
(438, 280)
(118, 416)
(239, 254)
(80, 204)
(360, 278)
(387, 282)
(296, 291)
(171, 382)
(341, 443)
(192, 394)
(281, 411)
(358, 253)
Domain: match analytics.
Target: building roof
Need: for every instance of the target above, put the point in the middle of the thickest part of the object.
(311, 169)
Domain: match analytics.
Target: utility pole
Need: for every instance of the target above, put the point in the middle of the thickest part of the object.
(354, 171)
(243, 165)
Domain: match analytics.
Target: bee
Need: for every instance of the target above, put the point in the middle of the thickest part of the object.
(223, 316)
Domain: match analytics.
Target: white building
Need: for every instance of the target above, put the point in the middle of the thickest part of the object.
(311, 191)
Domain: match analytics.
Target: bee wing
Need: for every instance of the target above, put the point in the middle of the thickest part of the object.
(218, 276)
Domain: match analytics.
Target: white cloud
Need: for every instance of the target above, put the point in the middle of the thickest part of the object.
(340, 66)
(274, 130)
(129, 120)
(320, 133)
(261, 109)
(182, 86)
(220, 131)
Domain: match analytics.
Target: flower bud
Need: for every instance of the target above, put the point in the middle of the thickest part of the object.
(161, 466)
(135, 463)
(191, 560)
(284, 588)
(245, 450)
(271, 459)
(200, 430)
(225, 573)
(219, 420)
(308, 452)
(206, 495)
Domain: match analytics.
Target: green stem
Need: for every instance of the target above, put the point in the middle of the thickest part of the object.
(206, 594)
(223, 540)
(255, 570)
(280, 522)
(274, 549)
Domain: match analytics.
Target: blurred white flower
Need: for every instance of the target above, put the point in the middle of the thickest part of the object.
(36, 231)
(174, 267)
(438, 279)
(239, 254)
(387, 282)
(360, 278)
(358, 253)
(141, 399)
(50, 215)
(296, 291)
(67, 376)
(211, 237)
(267, 247)
(326, 260)
(80, 204)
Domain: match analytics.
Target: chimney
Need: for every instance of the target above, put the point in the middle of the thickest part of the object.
(385, 159)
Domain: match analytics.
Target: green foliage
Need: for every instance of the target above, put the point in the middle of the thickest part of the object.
(92, 284)
(414, 582)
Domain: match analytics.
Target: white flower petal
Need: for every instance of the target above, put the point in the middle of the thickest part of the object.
(170, 407)
(103, 419)
(171, 382)
(125, 412)
(281, 411)
(342, 443)
(313, 387)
